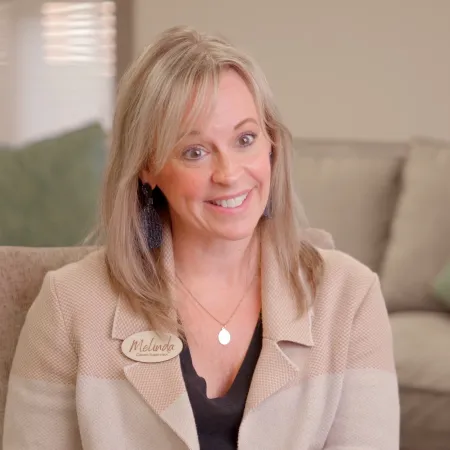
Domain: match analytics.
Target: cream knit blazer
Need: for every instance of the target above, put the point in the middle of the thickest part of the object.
(324, 380)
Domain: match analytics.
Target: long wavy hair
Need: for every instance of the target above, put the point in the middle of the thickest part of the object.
(167, 87)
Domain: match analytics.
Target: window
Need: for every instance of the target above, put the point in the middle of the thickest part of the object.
(80, 33)
(5, 32)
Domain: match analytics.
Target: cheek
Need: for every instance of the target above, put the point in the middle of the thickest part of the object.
(260, 168)
(180, 184)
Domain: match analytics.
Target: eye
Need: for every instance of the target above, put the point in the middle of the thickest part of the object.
(246, 139)
(194, 153)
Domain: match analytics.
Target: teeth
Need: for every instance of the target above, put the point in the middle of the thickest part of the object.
(231, 202)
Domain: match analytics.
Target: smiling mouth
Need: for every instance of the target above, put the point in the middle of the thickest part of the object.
(230, 202)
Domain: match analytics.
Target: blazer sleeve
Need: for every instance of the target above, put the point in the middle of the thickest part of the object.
(40, 408)
(368, 415)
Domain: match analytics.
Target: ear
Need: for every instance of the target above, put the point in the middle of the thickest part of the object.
(147, 177)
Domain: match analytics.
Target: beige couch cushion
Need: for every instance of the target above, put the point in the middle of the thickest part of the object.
(420, 243)
(350, 189)
(21, 273)
(422, 355)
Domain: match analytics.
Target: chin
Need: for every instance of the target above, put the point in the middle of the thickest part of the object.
(237, 233)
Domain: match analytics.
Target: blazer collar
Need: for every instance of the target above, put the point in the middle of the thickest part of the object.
(279, 364)
(282, 317)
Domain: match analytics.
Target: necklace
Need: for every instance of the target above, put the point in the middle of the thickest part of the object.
(224, 335)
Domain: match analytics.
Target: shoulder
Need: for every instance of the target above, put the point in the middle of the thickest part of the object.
(337, 265)
(92, 266)
(340, 267)
(346, 282)
(83, 288)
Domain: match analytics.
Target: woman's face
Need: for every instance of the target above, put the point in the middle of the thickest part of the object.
(217, 181)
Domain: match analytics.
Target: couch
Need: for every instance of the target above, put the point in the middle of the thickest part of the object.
(387, 204)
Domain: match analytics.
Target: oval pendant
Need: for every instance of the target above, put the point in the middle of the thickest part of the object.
(224, 336)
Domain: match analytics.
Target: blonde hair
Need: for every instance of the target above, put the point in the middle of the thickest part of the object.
(174, 76)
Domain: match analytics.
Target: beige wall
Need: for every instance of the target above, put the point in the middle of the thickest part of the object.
(341, 68)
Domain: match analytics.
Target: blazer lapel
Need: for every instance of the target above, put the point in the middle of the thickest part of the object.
(287, 335)
(160, 384)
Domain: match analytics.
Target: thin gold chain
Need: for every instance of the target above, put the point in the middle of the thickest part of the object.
(223, 325)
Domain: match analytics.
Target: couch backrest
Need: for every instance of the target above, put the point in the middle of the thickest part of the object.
(22, 271)
(350, 189)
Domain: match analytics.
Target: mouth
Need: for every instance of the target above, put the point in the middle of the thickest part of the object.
(231, 202)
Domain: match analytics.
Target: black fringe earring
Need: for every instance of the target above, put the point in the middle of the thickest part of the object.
(150, 217)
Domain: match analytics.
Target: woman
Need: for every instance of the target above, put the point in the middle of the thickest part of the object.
(208, 320)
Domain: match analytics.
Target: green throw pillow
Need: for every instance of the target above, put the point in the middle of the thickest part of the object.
(442, 286)
(49, 190)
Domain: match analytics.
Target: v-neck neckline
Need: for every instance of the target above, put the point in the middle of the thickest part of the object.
(249, 362)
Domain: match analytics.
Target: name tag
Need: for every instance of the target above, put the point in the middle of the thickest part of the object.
(151, 347)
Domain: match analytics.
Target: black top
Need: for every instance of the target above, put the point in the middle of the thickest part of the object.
(218, 419)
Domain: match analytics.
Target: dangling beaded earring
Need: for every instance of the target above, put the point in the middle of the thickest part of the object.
(150, 217)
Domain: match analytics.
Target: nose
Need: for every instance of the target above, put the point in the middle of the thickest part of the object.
(226, 170)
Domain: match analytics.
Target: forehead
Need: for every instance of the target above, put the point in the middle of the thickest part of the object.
(233, 98)
(232, 89)
(225, 106)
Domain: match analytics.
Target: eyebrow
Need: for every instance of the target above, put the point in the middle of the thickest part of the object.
(236, 127)
(243, 122)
